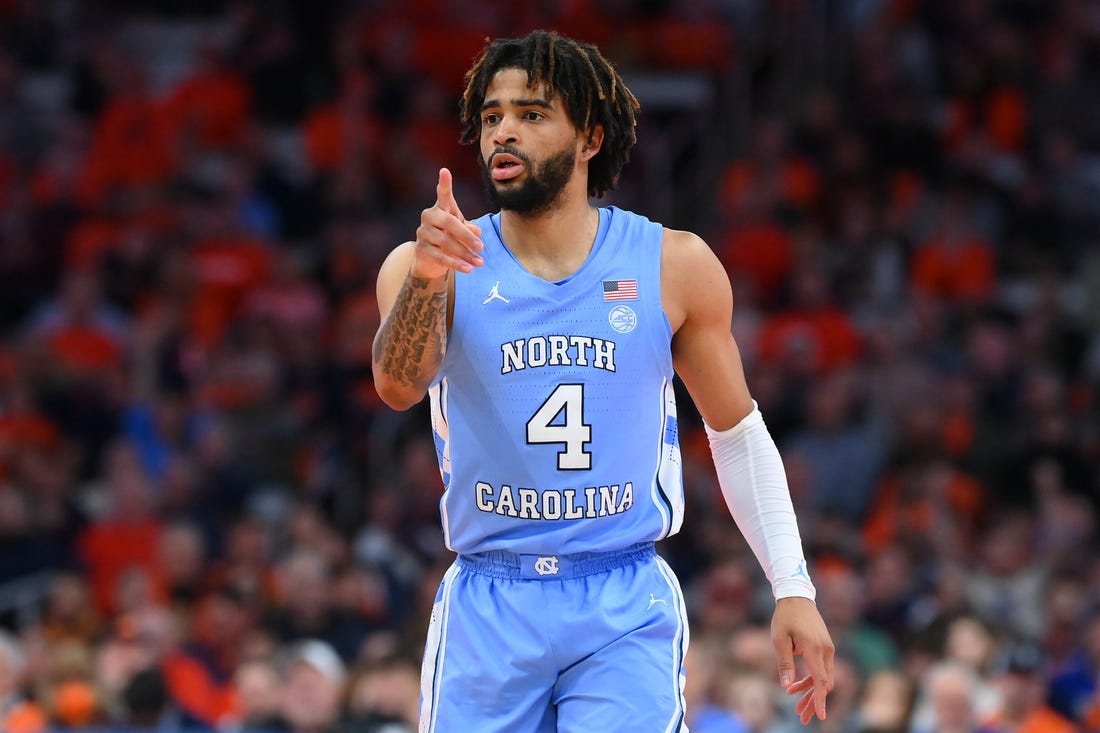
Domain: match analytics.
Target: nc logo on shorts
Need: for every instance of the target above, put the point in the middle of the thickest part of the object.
(547, 565)
(622, 318)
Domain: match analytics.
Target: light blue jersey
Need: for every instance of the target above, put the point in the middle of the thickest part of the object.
(554, 415)
(555, 425)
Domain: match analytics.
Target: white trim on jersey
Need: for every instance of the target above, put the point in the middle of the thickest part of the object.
(654, 491)
(681, 641)
(437, 401)
(435, 652)
(670, 465)
(667, 491)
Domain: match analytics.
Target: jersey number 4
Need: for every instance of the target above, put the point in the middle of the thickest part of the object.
(560, 420)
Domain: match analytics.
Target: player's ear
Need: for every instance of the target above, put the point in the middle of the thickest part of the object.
(593, 142)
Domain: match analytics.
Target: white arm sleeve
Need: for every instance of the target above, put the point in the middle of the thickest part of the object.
(754, 484)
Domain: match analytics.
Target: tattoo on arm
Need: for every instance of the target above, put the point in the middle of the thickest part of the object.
(410, 343)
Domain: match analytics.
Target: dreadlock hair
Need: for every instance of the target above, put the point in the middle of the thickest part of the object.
(587, 83)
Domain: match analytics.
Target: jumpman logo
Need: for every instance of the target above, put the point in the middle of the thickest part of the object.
(800, 571)
(494, 294)
(654, 601)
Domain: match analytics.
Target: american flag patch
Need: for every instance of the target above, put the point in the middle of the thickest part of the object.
(620, 289)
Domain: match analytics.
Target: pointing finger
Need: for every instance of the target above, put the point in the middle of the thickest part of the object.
(444, 194)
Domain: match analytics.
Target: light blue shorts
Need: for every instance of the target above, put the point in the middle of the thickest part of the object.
(570, 643)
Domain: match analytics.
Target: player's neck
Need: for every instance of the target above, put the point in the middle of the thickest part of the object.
(555, 243)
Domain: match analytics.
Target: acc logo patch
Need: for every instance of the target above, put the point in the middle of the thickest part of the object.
(622, 318)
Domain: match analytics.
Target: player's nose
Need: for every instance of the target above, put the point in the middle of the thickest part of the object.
(507, 131)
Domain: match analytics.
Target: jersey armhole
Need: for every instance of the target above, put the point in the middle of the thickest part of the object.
(458, 324)
(662, 338)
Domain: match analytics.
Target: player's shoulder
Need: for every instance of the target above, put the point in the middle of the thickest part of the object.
(693, 280)
(681, 241)
(685, 251)
(682, 252)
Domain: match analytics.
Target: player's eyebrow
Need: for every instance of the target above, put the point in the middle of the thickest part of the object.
(520, 102)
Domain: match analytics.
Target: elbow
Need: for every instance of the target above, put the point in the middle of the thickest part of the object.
(400, 402)
(396, 395)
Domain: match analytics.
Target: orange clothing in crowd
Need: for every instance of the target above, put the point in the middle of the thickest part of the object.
(958, 271)
(331, 136)
(20, 430)
(132, 145)
(191, 685)
(109, 549)
(89, 240)
(796, 181)
(75, 703)
(820, 340)
(1041, 720)
(84, 349)
(435, 48)
(226, 270)
(999, 118)
(762, 253)
(679, 43)
(211, 108)
(896, 513)
(23, 717)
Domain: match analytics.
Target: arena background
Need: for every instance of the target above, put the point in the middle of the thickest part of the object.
(208, 519)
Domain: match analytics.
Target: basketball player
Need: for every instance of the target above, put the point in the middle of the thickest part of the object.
(545, 336)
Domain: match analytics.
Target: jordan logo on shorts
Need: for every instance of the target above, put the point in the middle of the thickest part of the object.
(547, 565)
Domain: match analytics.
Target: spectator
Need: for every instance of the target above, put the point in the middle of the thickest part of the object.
(843, 451)
(1021, 681)
(841, 595)
(69, 614)
(127, 535)
(313, 689)
(190, 233)
(885, 703)
(753, 702)
(1075, 689)
(946, 700)
(147, 704)
(1007, 585)
(18, 714)
(703, 694)
(384, 698)
(199, 674)
(259, 696)
(306, 606)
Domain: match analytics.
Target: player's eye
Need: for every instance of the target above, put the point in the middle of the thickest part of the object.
(490, 119)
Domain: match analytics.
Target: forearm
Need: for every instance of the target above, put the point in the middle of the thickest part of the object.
(409, 347)
(754, 484)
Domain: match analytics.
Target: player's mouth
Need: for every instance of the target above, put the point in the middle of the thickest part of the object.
(504, 166)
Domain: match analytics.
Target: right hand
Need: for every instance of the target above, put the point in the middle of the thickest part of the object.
(445, 239)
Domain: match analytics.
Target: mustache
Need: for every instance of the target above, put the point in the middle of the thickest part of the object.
(507, 150)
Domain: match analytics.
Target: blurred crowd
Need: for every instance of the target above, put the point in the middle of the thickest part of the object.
(208, 520)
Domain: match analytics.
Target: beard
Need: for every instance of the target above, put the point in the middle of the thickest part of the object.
(539, 191)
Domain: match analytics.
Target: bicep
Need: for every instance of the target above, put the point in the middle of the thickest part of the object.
(704, 351)
(391, 276)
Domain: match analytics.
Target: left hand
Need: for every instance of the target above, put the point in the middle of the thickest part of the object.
(798, 629)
